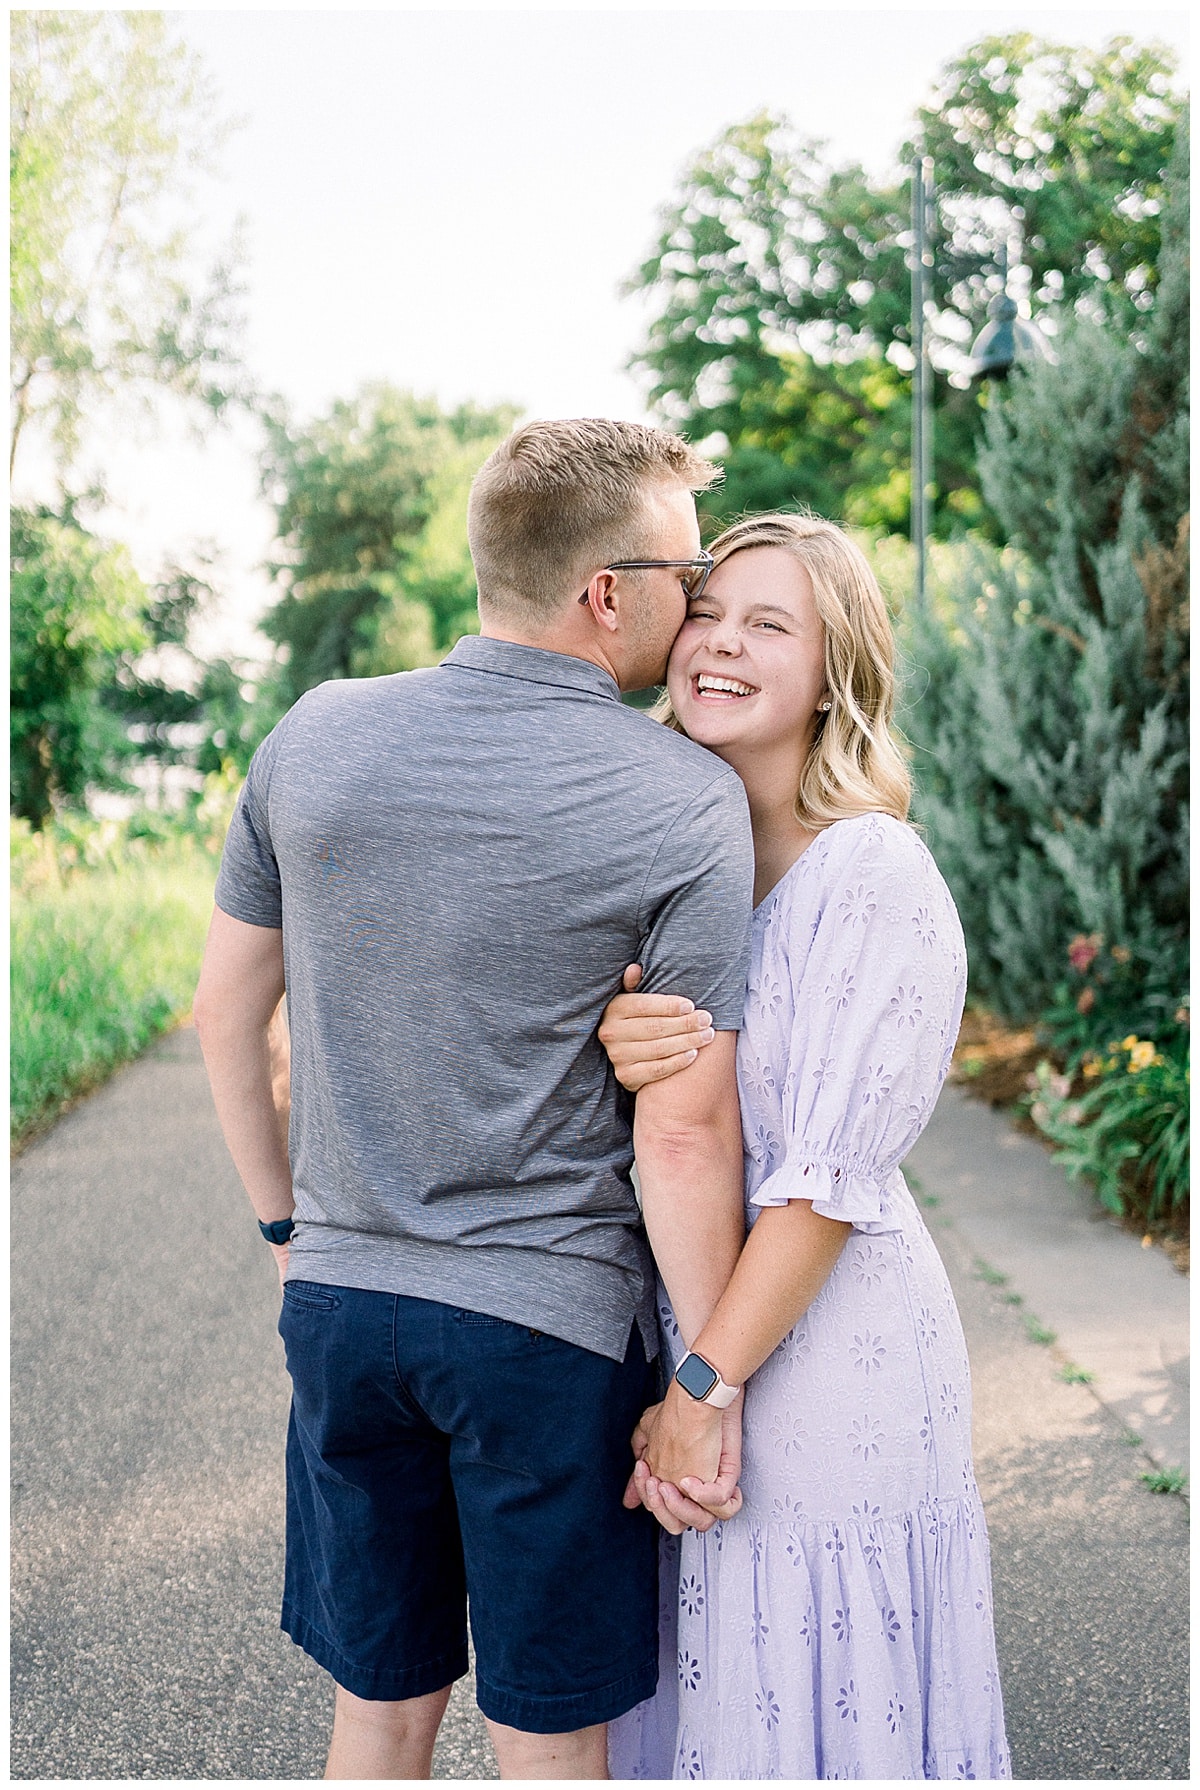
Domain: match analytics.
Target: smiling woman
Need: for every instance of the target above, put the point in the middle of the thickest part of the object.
(840, 1626)
(790, 637)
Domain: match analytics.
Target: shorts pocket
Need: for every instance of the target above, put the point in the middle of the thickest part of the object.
(482, 1320)
(310, 1295)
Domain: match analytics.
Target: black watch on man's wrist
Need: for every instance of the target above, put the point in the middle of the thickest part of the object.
(280, 1232)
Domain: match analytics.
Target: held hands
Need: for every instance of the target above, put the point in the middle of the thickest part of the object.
(651, 1036)
(689, 1456)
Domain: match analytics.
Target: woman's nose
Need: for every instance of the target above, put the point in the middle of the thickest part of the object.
(726, 638)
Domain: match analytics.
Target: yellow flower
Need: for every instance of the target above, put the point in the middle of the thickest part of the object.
(1130, 1042)
(1141, 1056)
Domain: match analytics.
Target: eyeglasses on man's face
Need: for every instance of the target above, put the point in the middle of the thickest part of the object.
(699, 567)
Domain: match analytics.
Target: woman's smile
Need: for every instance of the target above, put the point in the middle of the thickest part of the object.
(714, 687)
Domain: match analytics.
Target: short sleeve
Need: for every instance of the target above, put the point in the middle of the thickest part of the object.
(877, 1008)
(248, 886)
(696, 905)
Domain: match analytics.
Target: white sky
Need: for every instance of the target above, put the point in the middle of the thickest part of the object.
(450, 200)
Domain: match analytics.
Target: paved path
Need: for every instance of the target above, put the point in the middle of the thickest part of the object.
(149, 1409)
(1118, 1312)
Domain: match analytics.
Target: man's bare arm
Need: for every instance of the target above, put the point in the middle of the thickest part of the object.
(240, 988)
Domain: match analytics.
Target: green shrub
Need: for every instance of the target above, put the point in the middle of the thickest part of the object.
(108, 927)
(1110, 991)
(1128, 1133)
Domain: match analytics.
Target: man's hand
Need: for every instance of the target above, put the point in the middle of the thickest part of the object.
(701, 1500)
(280, 1252)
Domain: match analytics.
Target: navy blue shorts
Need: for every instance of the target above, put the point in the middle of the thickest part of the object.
(437, 1456)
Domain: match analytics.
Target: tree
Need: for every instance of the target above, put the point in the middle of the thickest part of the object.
(370, 505)
(1065, 148)
(77, 610)
(178, 708)
(768, 255)
(1049, 695)
(111, 118)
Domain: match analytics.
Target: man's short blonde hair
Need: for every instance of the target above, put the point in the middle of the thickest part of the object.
(558, 500)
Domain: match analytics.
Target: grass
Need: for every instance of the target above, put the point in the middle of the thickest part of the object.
(1173, 1479)
(1075, 1376)
(1038, 1333)
(104, 958)
(992, 1276)
(1131, 1439)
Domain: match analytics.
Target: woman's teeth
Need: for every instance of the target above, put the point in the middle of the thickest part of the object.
(722, 686)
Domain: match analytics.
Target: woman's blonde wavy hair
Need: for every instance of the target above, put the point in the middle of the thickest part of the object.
(855, 766)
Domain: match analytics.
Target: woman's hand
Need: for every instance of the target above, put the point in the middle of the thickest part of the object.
(705, 1500)
(651, 1036)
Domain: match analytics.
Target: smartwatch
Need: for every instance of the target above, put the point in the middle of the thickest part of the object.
(703, 1383)
(280, 1232)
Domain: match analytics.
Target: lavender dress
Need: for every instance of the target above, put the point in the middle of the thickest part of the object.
(841, 1625)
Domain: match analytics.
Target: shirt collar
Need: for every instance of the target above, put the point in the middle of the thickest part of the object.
(532, 664)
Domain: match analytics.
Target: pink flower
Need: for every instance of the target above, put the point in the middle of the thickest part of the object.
(1086, 1001)
(1083, 950)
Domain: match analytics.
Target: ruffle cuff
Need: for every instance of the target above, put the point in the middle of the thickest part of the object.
(841, 1190)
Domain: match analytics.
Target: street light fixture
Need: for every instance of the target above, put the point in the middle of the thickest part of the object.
(1005, 339)
(1008, 337)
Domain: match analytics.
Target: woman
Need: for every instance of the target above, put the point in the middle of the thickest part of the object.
(840, 1625)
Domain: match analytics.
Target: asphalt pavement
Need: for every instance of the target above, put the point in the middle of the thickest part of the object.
(149, 1409)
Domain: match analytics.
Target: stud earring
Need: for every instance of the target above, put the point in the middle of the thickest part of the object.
(825, 707)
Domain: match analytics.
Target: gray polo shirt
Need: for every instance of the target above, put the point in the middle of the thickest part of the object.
(463, 860)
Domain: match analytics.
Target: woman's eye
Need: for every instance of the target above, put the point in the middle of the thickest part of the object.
(774, 627)
(700, 615)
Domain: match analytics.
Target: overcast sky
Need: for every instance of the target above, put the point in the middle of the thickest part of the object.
(450, 200)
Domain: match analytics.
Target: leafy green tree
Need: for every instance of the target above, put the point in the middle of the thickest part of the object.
(1048, 702)
(110, 118)
(169, 699)
(78, 611)
(1067, 148)
(371, 509)
(769, 258)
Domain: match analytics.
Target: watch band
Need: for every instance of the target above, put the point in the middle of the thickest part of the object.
(701, 1381)
(279, 1232)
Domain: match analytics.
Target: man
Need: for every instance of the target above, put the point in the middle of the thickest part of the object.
(453, 868)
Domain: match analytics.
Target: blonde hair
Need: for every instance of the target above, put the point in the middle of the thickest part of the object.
(558, 499)
(855, 766)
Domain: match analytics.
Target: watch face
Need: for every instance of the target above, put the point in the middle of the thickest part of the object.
(696, 1376)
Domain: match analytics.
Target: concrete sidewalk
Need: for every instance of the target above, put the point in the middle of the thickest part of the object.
(1118, 1312)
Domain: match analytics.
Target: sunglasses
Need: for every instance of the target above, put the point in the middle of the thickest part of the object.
(701, 566)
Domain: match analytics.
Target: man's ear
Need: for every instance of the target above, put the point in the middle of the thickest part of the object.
(604, 601)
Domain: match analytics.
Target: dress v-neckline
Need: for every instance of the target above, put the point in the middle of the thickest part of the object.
(778, 885)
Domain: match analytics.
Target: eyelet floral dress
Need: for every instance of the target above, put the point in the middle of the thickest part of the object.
(841, 1625)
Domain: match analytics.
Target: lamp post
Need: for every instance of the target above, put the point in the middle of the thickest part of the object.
(921, 473)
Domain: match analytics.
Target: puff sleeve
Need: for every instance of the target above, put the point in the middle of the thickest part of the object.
(868, 992)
